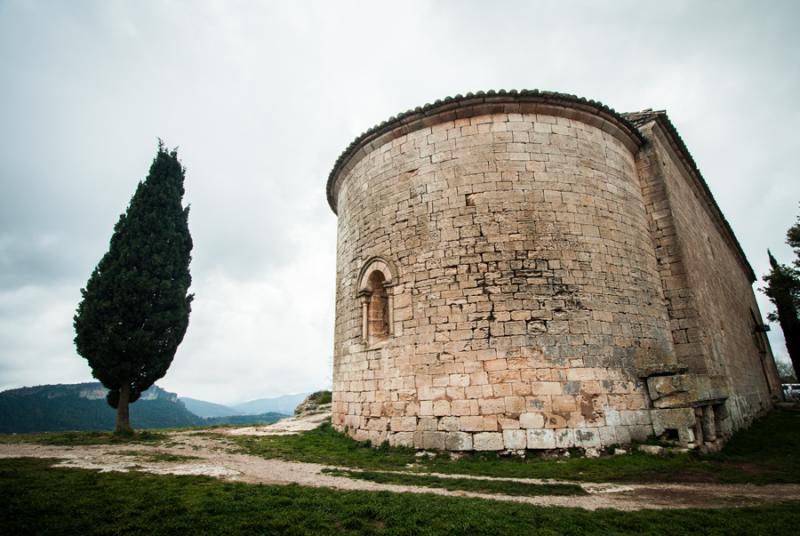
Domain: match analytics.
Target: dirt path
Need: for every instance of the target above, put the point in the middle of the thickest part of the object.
(190, 453)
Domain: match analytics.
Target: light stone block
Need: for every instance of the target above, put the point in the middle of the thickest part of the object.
(488, 441)
(458, 441)
(449, 424)
(433, 440)
(403, 424)
(565, 438)
(515, 439)
(401, 439)
(541, 439)
(531, 420)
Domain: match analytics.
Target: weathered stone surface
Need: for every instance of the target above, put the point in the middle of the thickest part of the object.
(681, 420)
(458, 441)
(433, 440)
(530, 267)
(655, 450)
(515, 439)
(403, 424)
(401, 439)
(531, 420)
(682, 390)
(541, 439)
(488, 441)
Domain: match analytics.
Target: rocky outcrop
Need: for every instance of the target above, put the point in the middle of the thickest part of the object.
(319, 402)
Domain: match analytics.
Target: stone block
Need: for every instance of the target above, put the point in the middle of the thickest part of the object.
(587, 437)
(514, 405)
(515, 439)
(565, 438)
(506, 423)
(471, 423)
(608, 435)
(378, 424)
(681, 420)
(495, 364)
(463, 407)
(433, 440)
(403, 424)
(531, 420)
(449, 424)
(546, 388)
(459, 380)
(427, 424)
(492, 406)
(541, 439)
(377, 437)
(458, 441)
(441, 408)
(682, 390)
(488, 441)
(401, 439)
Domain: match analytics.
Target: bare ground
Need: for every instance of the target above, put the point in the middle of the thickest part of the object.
(201, 454)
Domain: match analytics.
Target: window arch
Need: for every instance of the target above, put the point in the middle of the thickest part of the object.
(375, 284)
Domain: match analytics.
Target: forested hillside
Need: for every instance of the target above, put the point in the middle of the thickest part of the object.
(55, 408)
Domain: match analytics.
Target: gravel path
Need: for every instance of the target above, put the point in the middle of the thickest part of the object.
(217, 457)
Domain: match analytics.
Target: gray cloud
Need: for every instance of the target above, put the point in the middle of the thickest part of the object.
(262, 98)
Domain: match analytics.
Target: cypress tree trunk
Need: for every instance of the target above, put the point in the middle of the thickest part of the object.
(123, 418)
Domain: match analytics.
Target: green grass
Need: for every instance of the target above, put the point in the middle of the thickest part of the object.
(42, 500)
(505, 487)
(321, 397)
(72, 439)
(765, 453)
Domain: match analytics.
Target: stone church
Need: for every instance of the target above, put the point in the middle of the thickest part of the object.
(533, 270)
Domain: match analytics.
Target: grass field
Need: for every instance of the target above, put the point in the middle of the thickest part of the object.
(41, 500)
(765, 453)
(506, 487)
(74, 439)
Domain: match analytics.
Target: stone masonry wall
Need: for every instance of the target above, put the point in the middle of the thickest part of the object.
(712, 308)
(526, 288)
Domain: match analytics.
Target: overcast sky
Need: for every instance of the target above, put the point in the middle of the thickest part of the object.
(261, 97)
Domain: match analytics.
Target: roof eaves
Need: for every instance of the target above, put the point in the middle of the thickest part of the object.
(639, 119)
(454, 103)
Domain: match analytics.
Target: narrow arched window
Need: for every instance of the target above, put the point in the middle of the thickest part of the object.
(377, 308)
(375, 286)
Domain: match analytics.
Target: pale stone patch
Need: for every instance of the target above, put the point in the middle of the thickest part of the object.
(287, 426)
(488, 441)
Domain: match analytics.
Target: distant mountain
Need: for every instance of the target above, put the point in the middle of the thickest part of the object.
(282, 404)
(207, 409)
(83, 406)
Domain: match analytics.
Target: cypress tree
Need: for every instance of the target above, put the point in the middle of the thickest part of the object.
(135, 307)
(783, 290)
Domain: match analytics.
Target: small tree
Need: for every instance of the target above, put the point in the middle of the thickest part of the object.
(785, 372)
(135, 307)
(783, 289)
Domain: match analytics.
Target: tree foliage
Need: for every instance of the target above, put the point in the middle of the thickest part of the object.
(783, 289)
(135, 307)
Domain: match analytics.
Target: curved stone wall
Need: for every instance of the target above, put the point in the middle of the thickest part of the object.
(515, 289)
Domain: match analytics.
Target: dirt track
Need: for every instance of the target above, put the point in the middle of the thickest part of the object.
(217, 457)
